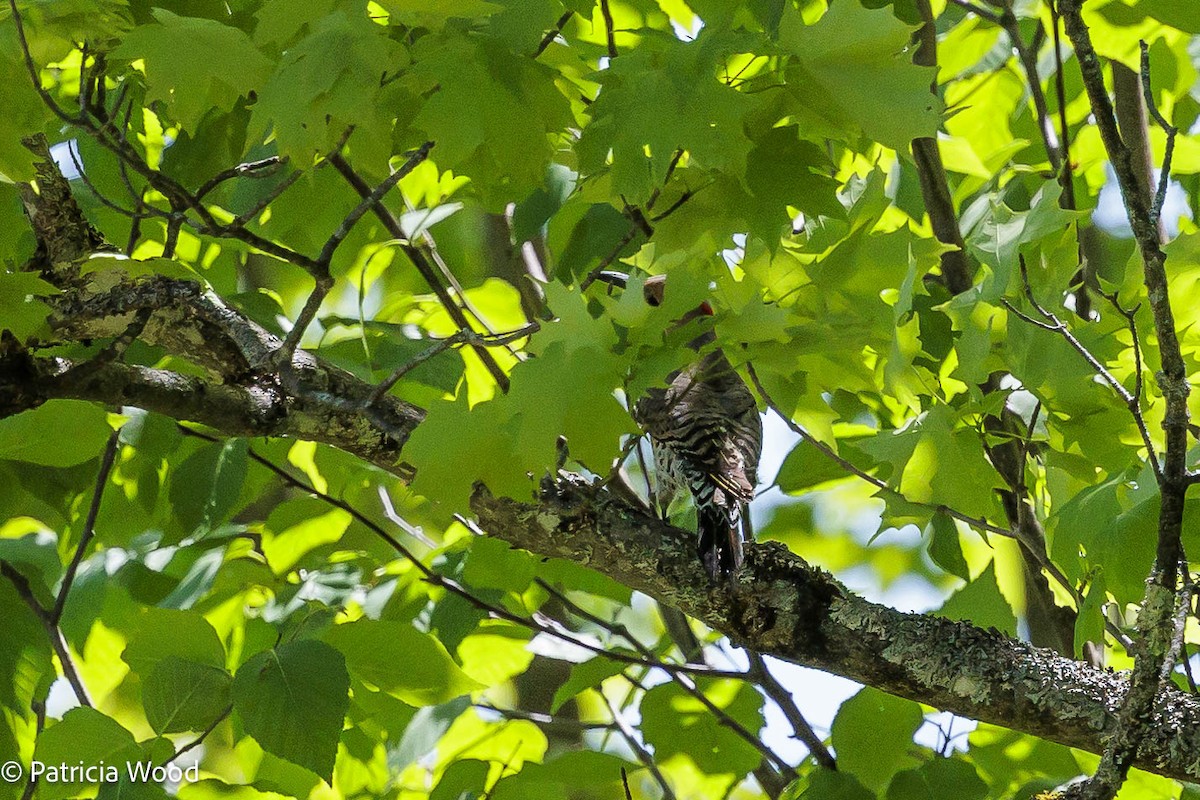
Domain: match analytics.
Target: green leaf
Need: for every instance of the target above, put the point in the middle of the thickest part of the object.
(181, 71)
(419, 13)
(663, 97)
(161, 633)
(182, 695)
(84, 736)
(981, 603)
(674, 722)
(944, 546)
(825, 784)
(20, 309)
(24, 114)
(586, 675)
(938, 779)
(293, 700)
(463, 780)
(491, 113)
(328, 81)
(851, 71)
(426, 728)
(494, 564)
(205, 488)
(60, 433)
(400, 660)
(872, 735)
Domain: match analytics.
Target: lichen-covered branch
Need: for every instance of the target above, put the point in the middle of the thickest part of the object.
(782, 606)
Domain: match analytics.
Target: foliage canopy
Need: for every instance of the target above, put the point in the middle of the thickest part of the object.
(894, 208)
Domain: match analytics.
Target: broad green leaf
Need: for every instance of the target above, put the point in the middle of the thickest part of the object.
(493, 564)
(495, 653)
(586, 675)
(938, 779)
(676, 723)
(205, 488)
(944, 546)
(181, 71)
(496, 130)
(84, 736)
(981, 603)
(327, 82)
(872, 735)
(851, 70)
(566, 775)
(293, 700)
(182, 695)
(825, 784)
(298, 527)
(162, 633)
(426, 728)
(60, 433)
(20, 309)
(465, 778)
(663, 97)
(400, 660)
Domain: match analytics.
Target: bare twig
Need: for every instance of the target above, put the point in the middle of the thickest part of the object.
(421, 262)
(57, 642)
(553, 33)
(199, 740)
(643, 755)
(464, 335)
(369, 201)
(1164, 175)
(680, 676)
(262, 168)
(1056, 325)
(609, 34)
(828, 452)
(89, 527)
(761, 674)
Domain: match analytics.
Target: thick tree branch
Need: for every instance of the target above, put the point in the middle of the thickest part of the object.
(783, 607)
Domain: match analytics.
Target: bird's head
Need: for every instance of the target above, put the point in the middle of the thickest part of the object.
(653, 291)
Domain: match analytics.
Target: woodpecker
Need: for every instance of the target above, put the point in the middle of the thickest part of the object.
(706, 436)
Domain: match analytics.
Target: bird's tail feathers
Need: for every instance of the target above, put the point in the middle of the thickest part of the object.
(720, 543)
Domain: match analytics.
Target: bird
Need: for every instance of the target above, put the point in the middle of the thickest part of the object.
(706, 438)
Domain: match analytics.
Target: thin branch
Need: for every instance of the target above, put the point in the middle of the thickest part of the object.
(1164, 175)
(639, 750)
(609, 35)
(553, 33)
(262, 168)
(369, 201)
(1056, 325)
(775, 690)
(89, 527)
(831, 454)
(978, 11)
(681, 677)
(1028, 58)
(57, 642)
(199, 740)
(463, 335)
(543, 625)
(1067, 177)
(421, 262)
(546, 720)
